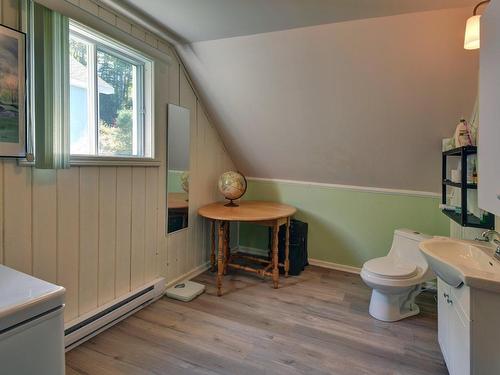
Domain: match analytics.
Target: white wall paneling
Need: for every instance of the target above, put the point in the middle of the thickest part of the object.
(68, 234)
(189, 248)
(138, 230)
(123, 229)
(45, 224)
(187, 99)
(17, 217)
(107, 235)
(99, 231)
(89, 239)
(151, 252)
(174, 83)
(464, 233)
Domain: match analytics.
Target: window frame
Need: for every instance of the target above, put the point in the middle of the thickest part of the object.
(144, 139)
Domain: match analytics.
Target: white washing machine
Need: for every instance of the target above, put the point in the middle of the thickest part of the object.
(31, 325)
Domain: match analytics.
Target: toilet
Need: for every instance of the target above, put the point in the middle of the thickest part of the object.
(397, 278)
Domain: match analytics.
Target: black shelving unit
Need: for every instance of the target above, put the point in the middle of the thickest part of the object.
(464, 218)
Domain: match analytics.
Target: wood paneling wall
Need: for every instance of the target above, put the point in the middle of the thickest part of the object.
(188, 249)
(98, 230)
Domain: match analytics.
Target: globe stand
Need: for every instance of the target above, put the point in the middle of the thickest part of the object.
(231, 204)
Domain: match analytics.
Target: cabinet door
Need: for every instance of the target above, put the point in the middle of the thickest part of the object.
(443, 318)
(489, 92)
(459, 340)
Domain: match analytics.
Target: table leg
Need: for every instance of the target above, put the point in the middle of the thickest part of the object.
(220, 260)
(276, 274)
(212, 245)
(287, 247)
(227, 250)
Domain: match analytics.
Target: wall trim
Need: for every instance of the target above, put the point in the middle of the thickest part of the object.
(189, 275)
(334, 266)
(412, 193)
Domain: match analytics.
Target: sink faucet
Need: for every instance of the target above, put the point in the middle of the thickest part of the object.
(487, 236)
(497, 251)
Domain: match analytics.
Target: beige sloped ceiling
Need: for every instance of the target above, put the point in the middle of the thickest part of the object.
(363, 102)
(198, 20)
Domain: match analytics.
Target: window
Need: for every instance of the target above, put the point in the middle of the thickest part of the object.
(110, 97)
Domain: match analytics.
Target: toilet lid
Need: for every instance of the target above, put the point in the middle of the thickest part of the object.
(386, 267)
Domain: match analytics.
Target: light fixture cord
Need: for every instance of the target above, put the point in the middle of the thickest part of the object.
(478, 5)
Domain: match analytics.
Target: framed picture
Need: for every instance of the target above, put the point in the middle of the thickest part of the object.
(12, 93)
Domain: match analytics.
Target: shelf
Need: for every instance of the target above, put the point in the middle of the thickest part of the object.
(471, 220)
(468, 150)
(459, 185)
(468, 220)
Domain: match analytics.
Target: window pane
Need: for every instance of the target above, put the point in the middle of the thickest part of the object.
(117, 105)
(80, 130)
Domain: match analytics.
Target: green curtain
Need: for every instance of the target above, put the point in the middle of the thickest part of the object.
(50, 37)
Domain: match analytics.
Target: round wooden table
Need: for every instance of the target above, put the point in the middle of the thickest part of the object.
(177, 200)
(269, 214)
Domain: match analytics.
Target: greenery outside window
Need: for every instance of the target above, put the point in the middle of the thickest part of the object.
(110, 97)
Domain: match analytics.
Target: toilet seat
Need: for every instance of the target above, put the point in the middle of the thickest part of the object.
(385, 267)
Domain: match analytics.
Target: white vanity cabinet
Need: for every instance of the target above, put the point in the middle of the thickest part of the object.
(454, 327)
(468, 331)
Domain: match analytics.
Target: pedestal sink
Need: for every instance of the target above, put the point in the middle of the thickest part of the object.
(468, 300)
(463, 262)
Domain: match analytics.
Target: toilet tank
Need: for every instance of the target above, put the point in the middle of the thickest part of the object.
(405, 246)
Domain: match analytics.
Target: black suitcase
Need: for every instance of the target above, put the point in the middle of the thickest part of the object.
(298, 246)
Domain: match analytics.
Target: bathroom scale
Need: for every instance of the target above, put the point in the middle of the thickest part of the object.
(185, 291)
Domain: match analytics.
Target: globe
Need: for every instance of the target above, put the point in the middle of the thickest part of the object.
(232, 186)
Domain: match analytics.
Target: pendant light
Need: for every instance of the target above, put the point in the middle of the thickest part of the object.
(473, 28)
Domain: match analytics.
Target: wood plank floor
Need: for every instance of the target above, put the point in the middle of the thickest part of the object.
(316, 323)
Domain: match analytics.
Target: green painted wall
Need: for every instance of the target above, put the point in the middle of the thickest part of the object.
(346, 226)
(174, 184)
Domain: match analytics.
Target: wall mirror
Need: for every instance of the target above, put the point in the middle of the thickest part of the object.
(177, 168)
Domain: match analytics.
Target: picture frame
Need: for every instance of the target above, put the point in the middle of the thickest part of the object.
(13, 117)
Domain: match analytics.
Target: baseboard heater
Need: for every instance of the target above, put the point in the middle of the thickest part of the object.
(89, 325)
